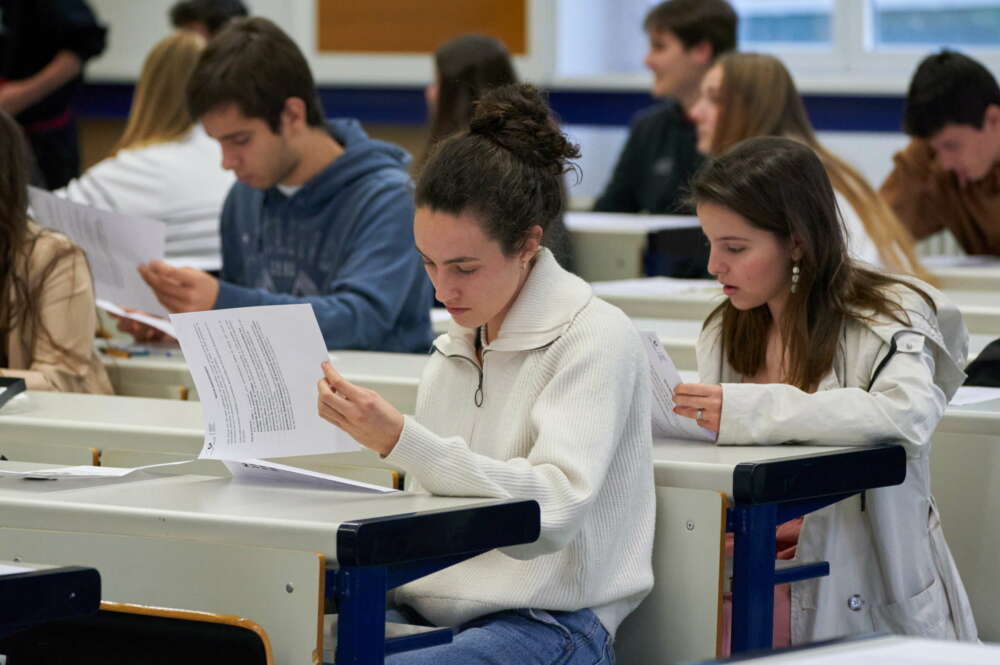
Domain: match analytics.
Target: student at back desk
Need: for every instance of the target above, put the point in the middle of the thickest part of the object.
(320, 214)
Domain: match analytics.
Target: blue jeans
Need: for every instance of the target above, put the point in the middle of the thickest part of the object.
(521, 637)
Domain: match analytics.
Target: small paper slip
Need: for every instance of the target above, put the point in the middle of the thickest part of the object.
(83, 471)
(163, 325)
(651, 287)
(256, 370)
(263, 471)
(974, 395)
(6, 569)
(664, 377)
(116, 245)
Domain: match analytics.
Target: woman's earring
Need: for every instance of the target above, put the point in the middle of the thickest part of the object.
(795, 277)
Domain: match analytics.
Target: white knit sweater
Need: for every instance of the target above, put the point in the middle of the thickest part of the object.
(564, 420)
(180, 183)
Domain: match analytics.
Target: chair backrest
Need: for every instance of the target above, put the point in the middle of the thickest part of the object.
(122, 634)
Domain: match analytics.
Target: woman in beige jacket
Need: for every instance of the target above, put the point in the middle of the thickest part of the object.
(47, 315)
(811, 346)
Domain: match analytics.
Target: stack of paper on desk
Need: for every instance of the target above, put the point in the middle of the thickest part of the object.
(116, 245)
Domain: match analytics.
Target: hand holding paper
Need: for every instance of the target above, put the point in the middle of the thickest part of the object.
(699, 401)
(181, 289)
(362, 413)
(666, 386)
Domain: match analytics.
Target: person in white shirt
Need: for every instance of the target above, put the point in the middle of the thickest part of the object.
(539, 390)
(164, 167)
(752, 94)
(813, 346)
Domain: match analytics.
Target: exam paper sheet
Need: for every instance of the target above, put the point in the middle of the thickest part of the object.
(974, 395)
(664, 378)
(264, 471)
(116, 245)
(256, 370)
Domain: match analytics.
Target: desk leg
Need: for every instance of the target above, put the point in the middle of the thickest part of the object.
(753, 576)
(361, 624)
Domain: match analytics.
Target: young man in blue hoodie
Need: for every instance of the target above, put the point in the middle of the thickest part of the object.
(320, 213)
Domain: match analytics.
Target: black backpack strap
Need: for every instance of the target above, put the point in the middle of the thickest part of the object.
(881, 365)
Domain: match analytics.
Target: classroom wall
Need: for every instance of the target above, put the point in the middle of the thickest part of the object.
(861, 128)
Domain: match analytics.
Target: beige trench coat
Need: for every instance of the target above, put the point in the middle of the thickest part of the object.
(67, 306)
(890, 567)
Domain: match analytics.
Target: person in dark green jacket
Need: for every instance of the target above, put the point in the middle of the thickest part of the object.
(685, 37)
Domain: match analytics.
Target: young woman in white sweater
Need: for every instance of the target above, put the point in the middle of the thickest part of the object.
(165, 166)
(813, 346)
(538, 390)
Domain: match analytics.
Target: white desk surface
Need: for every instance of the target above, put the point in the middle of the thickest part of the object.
(888, 650)
(202, 508)
(704, 465)
(354, 365)
(625, 223)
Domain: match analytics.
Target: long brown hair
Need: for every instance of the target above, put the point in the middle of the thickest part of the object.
(781, 186)
(758, 98)
(159, 110)
(466, 67)
(21, 293)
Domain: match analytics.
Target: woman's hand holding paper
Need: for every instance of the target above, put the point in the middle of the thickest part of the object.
(362, 413)
(701, 402)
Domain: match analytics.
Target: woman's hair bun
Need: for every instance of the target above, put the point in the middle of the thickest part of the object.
(517, 118)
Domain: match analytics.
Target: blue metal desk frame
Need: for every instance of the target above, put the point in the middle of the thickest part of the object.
(379, 554)
(769, 493)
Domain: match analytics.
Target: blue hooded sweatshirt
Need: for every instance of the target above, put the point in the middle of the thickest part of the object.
(343, 242)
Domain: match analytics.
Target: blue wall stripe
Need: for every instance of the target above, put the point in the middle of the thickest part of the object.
(405, 106)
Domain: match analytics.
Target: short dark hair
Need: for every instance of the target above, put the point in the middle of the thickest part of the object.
(506, 169)
(214, 14)
(252, 63)
(948, 88)
(696, 21)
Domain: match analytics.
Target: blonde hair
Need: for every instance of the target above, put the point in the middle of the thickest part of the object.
(159, 110)
(758, 98)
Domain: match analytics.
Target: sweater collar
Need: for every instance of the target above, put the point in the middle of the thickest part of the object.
(548, 302)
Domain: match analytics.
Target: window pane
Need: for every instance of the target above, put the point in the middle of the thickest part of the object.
(796, 22)
(936, 22)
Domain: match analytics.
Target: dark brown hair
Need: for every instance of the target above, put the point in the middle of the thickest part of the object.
(21, 293)
(780, 185)
(696, 21)
(506, 169)
(466, 67)
(948, 88)
(214, 14)
(252, 63)
(758, 98)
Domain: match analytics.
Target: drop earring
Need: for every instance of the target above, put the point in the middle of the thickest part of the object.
(795, 277)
